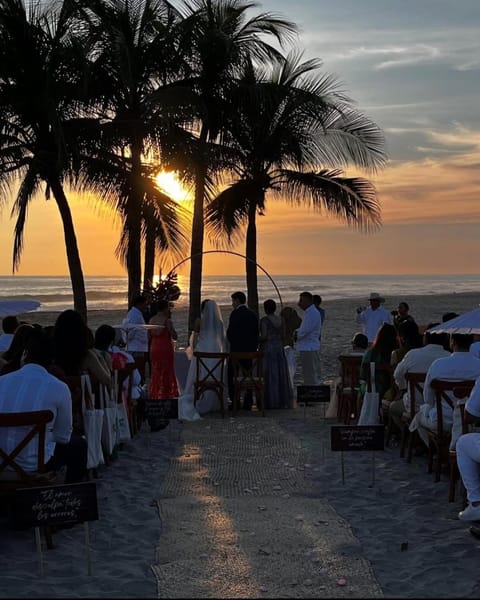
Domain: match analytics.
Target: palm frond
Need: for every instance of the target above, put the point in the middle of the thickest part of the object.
(352, 200)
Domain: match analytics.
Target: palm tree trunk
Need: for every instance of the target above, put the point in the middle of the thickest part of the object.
(71, 246)
(196, 246)
(133, 219)
(251, 254)
(149, 263)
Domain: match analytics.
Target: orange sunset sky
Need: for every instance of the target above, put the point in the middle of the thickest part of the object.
(415, 71)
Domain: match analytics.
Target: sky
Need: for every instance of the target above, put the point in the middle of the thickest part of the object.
(413, 66)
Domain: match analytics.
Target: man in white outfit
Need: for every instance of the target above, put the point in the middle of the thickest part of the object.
(460, 365)
(468, 458)
(417, 360)
(137, 334)
(307, 340)
(373, 317)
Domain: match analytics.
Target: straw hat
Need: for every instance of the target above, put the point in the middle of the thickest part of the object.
(375, 296)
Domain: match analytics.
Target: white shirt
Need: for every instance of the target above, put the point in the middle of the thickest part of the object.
(473, 403)
(29, 389)
(417, 360)
(372, 320)
(137, 338)
(456, 367)
(308, 333)
(475, 349)
(5, 341)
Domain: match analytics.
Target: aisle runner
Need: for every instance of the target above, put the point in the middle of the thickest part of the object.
(240, 520)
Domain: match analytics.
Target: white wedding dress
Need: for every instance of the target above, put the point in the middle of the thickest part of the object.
(211, 338)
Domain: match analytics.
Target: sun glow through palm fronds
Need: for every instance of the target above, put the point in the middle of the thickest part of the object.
(169, 183)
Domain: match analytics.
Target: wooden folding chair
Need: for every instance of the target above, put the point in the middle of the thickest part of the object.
(461, 393)
(347, 390)
(415, 383)
(12, 475)
(210, 369)
(439, 440)
(248, 375)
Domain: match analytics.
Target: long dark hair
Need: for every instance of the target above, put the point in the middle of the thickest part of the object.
(70, 341)
(384, 344)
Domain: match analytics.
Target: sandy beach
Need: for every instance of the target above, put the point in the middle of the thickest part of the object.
(339, 326)
(252, 507)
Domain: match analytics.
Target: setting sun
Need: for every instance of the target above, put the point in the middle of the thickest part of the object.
(168, 182)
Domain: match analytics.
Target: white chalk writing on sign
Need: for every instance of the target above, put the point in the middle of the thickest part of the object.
(56, 504)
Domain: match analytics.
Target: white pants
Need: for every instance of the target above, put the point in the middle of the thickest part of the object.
(468, 460)
(310, 361)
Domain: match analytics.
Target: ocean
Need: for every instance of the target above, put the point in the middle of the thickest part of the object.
(110, 293)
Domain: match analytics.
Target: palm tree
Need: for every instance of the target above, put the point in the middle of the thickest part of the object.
(136, 51)
(293, 131)
(222, 36)
(40, 118)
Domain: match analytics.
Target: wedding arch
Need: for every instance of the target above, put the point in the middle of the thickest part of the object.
(264, 271)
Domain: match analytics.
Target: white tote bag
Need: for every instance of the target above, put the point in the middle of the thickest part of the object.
(123, 427)
(92, 423)
(369, 412)
(109, 428)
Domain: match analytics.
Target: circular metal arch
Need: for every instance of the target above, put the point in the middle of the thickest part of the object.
(235, 254)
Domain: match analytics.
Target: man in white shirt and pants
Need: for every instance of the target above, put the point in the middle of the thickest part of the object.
(137, 334)
(307, 340)
(460, 365)
(373, 317)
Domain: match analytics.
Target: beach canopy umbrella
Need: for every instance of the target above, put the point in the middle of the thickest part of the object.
(17, 307)
(467, 323)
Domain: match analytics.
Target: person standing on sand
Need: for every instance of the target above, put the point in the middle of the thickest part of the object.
(373, 317)
(137, 335)
(242, 335)
(307, 340)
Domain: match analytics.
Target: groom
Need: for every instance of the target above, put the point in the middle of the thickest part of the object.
(242, 334)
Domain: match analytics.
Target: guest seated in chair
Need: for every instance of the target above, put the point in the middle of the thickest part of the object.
(416, 360)
(460, 365)
(468, 458)
(32, 388)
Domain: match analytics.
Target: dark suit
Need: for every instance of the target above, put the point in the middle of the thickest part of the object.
(242, 334)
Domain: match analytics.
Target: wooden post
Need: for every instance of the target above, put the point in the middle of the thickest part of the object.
(38, 541)
(87, 548)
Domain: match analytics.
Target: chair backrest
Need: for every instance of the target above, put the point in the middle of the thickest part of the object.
(415, 383)
(37, 422)
(247, 368)
(462, 393)
(350, 371)
(441, 388)
(210, 368)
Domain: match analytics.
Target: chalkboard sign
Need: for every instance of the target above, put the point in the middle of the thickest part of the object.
(55, 504)
(162, 409)
(358, 437)
(313, 393)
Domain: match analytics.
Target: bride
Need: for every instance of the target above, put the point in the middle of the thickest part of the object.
(208, 336)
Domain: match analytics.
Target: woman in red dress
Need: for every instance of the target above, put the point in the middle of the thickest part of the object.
(163, 382)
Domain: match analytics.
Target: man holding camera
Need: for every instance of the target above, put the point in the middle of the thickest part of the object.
(372, 318)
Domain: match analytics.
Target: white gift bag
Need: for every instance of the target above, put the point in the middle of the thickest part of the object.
(92, 423)
(370, 405)
(123, 427)
(109, 428)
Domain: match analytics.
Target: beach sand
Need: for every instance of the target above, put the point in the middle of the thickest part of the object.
(329, 531)
(338, 329)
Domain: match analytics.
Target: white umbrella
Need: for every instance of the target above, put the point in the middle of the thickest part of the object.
(17, 307)
(467, 323)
